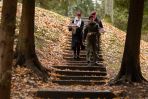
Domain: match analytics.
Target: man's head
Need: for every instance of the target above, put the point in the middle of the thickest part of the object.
(78, 15)
(94, 14)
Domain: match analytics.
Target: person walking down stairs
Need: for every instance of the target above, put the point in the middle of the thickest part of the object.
(77, 29)
(90, 33)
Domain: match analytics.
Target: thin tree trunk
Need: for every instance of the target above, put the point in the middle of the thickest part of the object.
(112, 11)
(26, 44)
(130, 68)
(66, 6)
(6, 46)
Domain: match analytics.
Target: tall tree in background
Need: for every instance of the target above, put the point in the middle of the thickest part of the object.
(109, 5)
(26, 45)
(121, 13)
(45, 3)
(85, 6)
(62, 6)
(145, 18)
(67, 7)
(7, 32)
(130, 68)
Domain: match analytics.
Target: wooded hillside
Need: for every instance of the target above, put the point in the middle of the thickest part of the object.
(51, 33)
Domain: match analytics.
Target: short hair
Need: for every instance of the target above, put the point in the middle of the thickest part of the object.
(93, 13)
(78, 14)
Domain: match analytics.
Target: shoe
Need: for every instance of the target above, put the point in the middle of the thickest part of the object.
(74, 56)
(88, 62)
(78, 57)
(95, 63)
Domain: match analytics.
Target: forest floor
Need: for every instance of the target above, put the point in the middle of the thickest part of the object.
(50, 35)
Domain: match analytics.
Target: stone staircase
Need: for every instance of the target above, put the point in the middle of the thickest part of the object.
(77, 72)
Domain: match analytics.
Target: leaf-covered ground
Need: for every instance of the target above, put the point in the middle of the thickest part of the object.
(113, 46)
(51, 33)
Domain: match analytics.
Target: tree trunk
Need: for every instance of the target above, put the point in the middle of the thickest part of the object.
(109, 9)
(130, 68)
(6, 46)
(26, 55)
(65, 5)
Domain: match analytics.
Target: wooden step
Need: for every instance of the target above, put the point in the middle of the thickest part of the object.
(82, 59)
(96, 78)
(70, 51)
(72, 59)
(71, 55)
(62, 94)
(80, 73)
(90, 68)
(82, 52)
(84, 64)
(77, 63)
(69, 48)
(78, 82)
(81, 55)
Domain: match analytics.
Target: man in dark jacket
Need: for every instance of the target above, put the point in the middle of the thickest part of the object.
(77, 29)
(90, 33)
(101, 30)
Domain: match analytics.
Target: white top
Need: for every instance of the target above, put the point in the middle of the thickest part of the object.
(77, 21)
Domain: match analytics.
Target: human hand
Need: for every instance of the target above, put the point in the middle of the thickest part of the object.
(101, 30)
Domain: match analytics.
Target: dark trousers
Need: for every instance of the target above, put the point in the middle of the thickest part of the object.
(76, 43)
(98, 41)
(76, 48)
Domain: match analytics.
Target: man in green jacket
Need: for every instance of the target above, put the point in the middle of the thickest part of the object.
(90, 33)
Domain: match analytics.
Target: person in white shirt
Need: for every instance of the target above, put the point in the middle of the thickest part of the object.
(77, 31)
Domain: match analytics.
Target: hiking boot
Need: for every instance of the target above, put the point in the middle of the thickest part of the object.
(74, 56)
(78, 57)
(88, 62)
(95, 63)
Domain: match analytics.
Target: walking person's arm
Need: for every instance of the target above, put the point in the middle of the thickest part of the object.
(85, 34)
